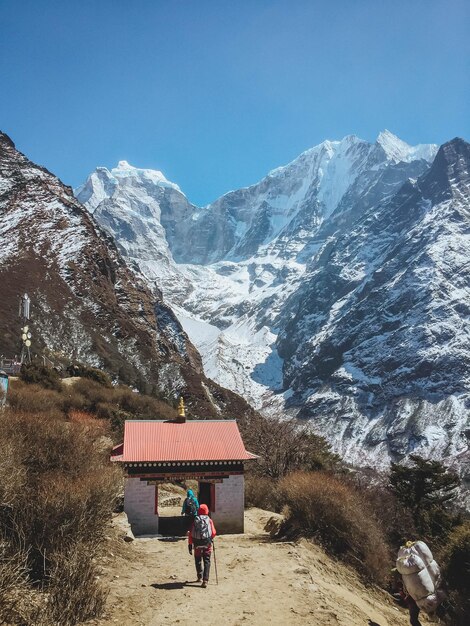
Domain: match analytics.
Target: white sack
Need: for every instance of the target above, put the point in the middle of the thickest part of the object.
(431, 602)
(424, 552)
(410, 564)
(433, 569)
(419, 585)
(419, 548)
(421, 575)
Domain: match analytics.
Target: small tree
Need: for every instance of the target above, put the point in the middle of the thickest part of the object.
(84, 371)
(426, 488)
(285, 446)
(39, 374)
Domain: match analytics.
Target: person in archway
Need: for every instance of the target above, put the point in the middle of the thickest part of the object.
(201, 536)
(190, 507)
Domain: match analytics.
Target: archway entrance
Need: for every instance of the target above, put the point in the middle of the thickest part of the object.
(169, 498)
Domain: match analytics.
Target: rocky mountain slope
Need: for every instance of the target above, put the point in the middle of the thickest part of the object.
(229, 306)
(377, 346)
(86, 303)
(321, 290)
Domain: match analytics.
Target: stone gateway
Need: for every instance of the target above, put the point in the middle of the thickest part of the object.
(210, 452)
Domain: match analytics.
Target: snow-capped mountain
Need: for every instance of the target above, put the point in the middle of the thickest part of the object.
(86, 303)
(267, 281)
(376, 342)
(142, 211)
(259, 239)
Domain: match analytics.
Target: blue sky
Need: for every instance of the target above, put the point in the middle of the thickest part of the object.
(217, 93)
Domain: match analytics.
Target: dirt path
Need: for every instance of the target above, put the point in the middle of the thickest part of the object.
(260, 582)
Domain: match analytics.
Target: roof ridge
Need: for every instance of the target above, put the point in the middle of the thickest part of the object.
(180, 423)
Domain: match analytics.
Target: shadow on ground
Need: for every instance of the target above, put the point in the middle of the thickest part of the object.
(177, 585)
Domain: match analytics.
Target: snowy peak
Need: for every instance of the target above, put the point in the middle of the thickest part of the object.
(125, 170)
(325, 150)
(5, 139)
(285, 208)
(450, 172)
(454, 158)
(398, 150)
(103, 183)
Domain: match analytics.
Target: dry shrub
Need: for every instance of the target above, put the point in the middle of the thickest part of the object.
(38, 373)
(92, 394)
(395, 519)
(57, 492)
(322, 506)
(285, 445)
(261, 492)
(64, 513)
(47, 443)
(142, 406)
(35, 399)
(455, 561)
(13, 587)
(84, 371)
(74, 589)
(72, 400)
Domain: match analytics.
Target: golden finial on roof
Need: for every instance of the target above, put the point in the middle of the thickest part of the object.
(181, 411)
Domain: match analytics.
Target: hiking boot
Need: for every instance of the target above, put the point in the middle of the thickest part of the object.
(204, 584)
(199, 578)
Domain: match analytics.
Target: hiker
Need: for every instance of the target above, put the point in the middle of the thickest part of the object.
(201, 535)
(190, 507)
(411, 605)
(422, 583)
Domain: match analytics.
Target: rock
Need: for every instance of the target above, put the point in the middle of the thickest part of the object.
(171, 502)
(122, 524)
(273, 525)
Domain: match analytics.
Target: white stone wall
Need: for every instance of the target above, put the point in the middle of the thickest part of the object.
(229, 505)
(139, 506)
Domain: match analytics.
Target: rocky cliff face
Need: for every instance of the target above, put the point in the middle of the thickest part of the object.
(333, 289)
(87, 303)
(376, 341)
(230, 307)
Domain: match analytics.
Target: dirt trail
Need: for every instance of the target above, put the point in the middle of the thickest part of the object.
(261, 582)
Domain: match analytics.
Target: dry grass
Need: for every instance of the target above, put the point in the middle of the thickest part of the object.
(57, 492)
(114, 404)
(456, 570)
(73, 587)
(261, 492)
(13, 586)
(338, 516)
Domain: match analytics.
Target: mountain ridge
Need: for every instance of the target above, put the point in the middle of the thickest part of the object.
(238, 271)
(87, 304)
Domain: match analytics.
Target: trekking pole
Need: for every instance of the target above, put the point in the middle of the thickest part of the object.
(215, 564)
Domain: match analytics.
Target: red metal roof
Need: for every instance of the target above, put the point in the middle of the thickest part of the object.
(207, 440)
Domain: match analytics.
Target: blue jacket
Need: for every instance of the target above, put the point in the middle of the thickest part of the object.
(190, 496)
